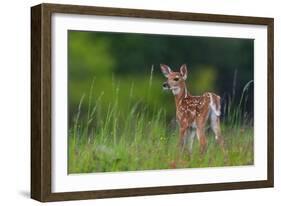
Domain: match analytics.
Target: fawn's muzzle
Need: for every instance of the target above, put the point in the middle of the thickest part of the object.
(165, 85)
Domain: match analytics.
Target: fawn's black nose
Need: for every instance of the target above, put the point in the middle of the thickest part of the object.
(165, 85)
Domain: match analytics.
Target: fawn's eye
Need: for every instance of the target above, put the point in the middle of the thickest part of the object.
(176, 79)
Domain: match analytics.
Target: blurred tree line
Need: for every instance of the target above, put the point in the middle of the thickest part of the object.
(130, 63)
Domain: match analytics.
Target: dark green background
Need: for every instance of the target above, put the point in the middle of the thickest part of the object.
(124, 62)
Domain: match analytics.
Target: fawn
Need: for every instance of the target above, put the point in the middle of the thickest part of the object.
(192, 112)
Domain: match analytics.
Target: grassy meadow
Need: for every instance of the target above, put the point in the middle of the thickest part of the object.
(106, 140)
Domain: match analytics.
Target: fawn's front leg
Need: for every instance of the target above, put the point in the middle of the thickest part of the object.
(182, 139)
(202, 139)
(190, 138)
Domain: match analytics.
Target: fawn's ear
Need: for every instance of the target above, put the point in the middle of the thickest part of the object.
(165, 70)
(183, 71)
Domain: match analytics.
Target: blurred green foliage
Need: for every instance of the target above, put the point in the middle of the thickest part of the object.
(128, 64)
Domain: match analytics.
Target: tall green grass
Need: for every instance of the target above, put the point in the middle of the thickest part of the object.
(234, 107)
(106, 140)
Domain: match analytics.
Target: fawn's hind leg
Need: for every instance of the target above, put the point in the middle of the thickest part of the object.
(215, 125)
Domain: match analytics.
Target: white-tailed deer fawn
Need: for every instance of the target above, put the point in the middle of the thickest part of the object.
(193, 112)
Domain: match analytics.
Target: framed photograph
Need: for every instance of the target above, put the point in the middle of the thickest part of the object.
(132, 102)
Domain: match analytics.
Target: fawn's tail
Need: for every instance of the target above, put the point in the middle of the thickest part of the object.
(215, 104)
